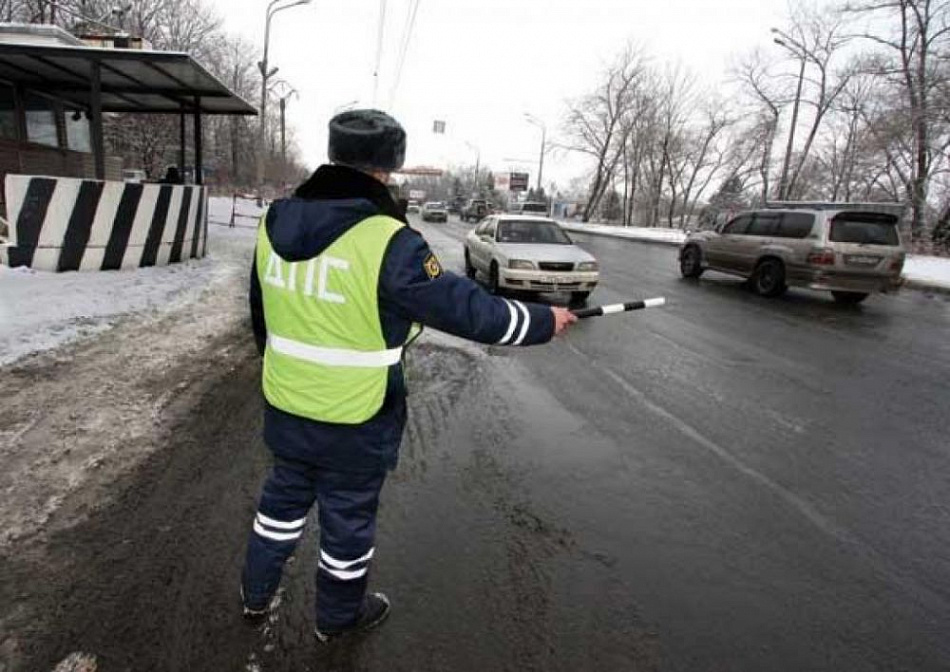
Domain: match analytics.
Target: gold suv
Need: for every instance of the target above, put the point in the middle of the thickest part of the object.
(849, 249)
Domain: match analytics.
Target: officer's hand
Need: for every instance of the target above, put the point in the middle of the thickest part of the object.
(562, 319)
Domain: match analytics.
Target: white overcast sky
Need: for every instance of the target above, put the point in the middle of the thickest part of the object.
(479, 65)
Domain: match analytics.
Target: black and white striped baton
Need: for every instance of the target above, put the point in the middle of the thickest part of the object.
(598, 311)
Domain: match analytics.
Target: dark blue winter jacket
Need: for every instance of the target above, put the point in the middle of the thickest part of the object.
(412, 288)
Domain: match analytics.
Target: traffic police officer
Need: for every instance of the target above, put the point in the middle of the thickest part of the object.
(340, 286)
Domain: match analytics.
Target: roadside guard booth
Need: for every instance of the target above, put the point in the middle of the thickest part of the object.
(65, 204)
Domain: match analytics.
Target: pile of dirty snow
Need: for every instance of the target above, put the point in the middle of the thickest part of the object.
(41, 310)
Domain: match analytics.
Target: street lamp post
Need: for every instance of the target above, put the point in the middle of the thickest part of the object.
(266, 74)
(544, 132)
(802, 54)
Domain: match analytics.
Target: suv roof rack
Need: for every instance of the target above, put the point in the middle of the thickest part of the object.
(896, 209)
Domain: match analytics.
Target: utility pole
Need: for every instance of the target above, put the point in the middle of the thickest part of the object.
(478, 157)
(290, 91)
(266, 74)
(544, 132)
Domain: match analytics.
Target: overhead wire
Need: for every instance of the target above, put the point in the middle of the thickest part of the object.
(379, 48)
(412, 10)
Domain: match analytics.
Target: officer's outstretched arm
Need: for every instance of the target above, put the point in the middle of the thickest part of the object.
(414, 283)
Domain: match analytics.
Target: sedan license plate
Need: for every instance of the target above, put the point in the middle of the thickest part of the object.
(861, 260)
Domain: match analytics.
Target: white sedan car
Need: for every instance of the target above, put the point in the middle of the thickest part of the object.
(531, 254)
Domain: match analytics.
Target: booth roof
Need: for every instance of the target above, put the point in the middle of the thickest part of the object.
(131, 80)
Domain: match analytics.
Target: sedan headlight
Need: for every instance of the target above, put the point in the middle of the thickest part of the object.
(587, 266)
(521, 264)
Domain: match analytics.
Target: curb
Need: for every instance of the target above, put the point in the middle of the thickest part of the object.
(915, 285)
(918, 286)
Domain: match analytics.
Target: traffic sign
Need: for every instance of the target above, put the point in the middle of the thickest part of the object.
(518, 181)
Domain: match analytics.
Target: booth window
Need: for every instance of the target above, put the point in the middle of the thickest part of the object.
(78, 135)
(41, 121)
(7, 113)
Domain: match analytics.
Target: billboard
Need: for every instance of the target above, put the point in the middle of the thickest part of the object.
(518, 181)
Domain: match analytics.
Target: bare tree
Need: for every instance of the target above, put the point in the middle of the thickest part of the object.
(704, 156)
(594, 123)
(755, 75)
(816, 37)
(917, 36)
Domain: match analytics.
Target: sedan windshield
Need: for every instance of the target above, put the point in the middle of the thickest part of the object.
(527, 231)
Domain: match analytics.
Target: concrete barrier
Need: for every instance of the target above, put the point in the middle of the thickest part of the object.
(67, 224)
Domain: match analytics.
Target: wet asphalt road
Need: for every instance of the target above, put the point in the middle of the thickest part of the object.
(768, 478)
(726, 483)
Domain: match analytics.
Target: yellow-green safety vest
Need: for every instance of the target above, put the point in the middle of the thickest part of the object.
(326, 357)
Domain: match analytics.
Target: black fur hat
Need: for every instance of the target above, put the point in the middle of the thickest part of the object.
(367, 139)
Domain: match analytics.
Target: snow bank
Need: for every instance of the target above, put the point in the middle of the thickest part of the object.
(41, 310)
(656, 235)
(929, 271)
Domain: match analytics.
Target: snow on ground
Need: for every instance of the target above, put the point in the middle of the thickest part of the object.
(919, 270)
(41, 310)
(928, 271)
(658, 235)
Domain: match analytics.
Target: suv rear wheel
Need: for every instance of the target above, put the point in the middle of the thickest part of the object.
(849, 298)
(691, 262)
(769, 278)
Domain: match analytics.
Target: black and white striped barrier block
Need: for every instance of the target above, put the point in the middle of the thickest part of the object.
(599, 311)
(67, 224)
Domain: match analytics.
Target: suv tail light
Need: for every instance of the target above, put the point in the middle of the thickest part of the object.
(821, 257)
(897, 265)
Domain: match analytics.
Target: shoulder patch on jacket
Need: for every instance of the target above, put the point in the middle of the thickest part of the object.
(432, 266)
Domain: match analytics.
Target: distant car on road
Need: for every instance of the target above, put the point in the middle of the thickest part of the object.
(475, 209)
(850, 249)
(533, 254)
(530, 208)
(435, 211)
(412, 206)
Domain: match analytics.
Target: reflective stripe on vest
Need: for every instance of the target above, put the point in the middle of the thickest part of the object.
(333, 356)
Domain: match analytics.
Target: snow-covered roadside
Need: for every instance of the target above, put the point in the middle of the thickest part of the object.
(920, 271)
(927, 271)
(40, 310)
(80, 415)
(655, 235)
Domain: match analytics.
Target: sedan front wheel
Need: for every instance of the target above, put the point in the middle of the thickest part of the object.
(579, 298)
(469, 269)
(493, 281)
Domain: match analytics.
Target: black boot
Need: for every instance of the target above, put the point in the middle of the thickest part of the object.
(375, 610)
(252, 614)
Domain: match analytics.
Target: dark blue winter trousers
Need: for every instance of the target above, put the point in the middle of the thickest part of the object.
(346, 504)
